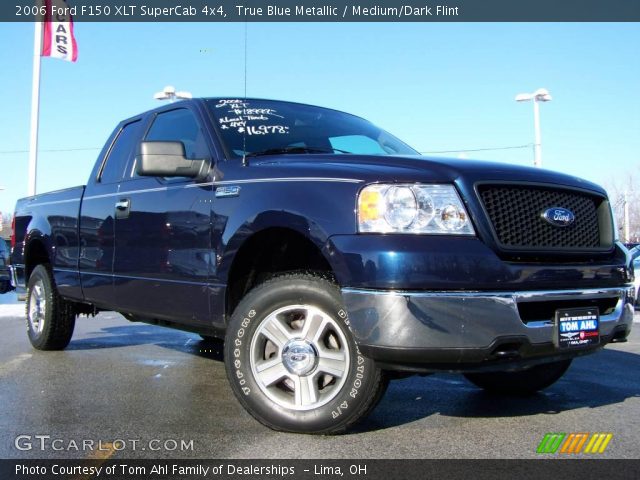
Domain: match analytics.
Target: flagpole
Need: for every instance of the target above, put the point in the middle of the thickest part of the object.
(35, 107)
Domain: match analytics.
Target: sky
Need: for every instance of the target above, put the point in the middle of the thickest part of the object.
(439, 87)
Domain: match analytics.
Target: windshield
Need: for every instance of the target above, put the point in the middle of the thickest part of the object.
(268, 127)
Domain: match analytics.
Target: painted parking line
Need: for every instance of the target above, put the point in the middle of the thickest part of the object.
(105, 453)
(13, 364)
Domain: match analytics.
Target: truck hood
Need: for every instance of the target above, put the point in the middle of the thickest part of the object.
(418, 168)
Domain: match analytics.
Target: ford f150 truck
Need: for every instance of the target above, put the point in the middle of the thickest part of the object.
(329, 256)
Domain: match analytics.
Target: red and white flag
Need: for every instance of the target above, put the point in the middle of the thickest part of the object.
(58, 39)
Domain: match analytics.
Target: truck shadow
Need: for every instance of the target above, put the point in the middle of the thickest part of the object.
(142, 334)
(594, 381)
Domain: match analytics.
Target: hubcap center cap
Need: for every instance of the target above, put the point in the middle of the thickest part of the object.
(299, 357)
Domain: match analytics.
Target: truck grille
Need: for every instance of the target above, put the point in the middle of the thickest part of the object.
(515, 211)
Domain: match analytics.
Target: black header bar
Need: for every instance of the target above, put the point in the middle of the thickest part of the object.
(330, 10)
(328, 469)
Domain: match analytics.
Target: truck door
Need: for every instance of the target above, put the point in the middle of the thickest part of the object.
(97, 215)
(162, 232)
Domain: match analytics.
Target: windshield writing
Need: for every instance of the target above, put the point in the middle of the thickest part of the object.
(266, 127)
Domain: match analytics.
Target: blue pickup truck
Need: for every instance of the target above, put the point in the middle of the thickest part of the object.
(328, 254)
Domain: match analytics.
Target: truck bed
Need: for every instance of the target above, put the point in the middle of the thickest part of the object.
(53, 216)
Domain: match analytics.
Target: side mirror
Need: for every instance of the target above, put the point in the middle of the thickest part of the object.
(167, 159)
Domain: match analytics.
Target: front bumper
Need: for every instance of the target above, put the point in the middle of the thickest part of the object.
(467, 331)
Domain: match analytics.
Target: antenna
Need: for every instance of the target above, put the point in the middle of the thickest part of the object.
(244, 133)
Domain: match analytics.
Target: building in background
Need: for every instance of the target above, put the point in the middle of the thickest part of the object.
(5, 226)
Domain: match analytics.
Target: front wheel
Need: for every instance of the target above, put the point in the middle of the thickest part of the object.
(50, 319)
(292, 361)
(525, 382)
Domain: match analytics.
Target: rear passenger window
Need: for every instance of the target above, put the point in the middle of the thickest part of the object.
(120, 153)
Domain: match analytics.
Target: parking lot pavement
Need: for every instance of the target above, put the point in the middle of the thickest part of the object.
(137, 388)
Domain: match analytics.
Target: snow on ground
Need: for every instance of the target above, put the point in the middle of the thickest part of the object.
(10, 306)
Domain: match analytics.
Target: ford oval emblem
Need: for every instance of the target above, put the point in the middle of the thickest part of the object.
(558, 216)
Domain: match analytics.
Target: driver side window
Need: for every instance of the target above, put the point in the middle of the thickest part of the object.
(178, 125)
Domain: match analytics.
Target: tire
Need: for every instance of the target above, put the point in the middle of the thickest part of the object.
(50, 320)
(292, 361)
(526, 382)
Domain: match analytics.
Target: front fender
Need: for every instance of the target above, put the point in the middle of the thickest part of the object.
(314, 209)
(293, 221)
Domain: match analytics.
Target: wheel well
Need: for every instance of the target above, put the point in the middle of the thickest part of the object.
(267, 253)
(35, 254)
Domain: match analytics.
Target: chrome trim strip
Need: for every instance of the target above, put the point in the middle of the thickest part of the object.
(194, 185)
(226, 182)
(205, 184)
(54, 202)
(129, 192)
(291, 179)
(104, 195)
(134, 277)
(523, 294)
(68, 270)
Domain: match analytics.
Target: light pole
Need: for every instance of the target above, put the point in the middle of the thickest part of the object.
(169, 93)
(626, 216)
(540, 95)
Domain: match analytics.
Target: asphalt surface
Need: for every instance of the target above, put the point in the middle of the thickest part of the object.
(137, 387)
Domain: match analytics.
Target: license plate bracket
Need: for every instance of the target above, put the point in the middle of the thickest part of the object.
(577, 327)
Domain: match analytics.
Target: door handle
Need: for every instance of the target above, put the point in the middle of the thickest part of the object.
(122, 204)
(122, 208)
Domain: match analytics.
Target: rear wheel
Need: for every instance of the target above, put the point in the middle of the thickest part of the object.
(292, 361)
(526, 382)
(50, 319)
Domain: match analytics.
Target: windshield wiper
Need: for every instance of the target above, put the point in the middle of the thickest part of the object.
(294, 150)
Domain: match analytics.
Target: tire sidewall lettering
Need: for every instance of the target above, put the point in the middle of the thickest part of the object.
(361, 377)
(237, 352)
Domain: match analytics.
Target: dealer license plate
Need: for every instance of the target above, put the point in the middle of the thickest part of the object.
(578, 327)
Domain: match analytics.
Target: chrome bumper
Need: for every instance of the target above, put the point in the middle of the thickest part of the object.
(470, 326)
(12, 276)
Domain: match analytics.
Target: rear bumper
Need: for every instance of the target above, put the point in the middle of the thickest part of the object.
(11, 279)
(5, 280)
(13, 276)
(467, 331)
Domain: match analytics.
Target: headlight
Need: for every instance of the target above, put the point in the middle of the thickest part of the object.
(412, 208)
